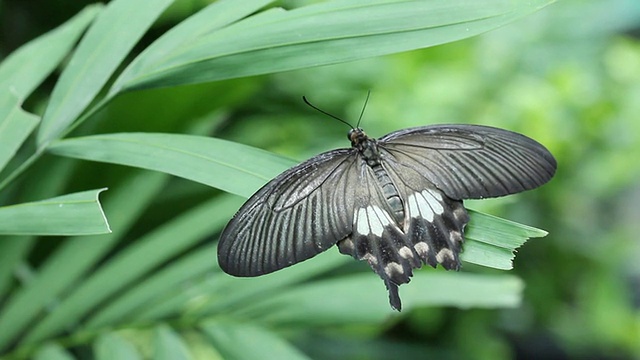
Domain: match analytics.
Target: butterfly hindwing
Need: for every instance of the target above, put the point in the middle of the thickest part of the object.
(377, 239)
(430, 233)
(435, 224)
(300, 213)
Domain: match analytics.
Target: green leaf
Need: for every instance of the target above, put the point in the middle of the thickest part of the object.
(133, 263)
(24, 69)
(44, 182)
(15, 125)
(169, 346)
(112, 346)
(243, 341)
(215, 16)
(102, 49)
(57, 274)
(72, 214)
(222, 294)
(52, 352)
(363, 298)
(492, 241)
(12, 250)
(229, 166)
(160, 285)
(327, 33)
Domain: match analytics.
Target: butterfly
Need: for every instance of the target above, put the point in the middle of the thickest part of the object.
(394, 202)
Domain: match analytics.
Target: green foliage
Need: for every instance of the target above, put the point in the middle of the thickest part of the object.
(71, 214)
(152, 288)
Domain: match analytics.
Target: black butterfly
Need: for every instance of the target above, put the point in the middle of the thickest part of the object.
(395, 202)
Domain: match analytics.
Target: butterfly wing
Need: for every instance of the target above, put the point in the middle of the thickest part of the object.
(470, 161)
(302, 212)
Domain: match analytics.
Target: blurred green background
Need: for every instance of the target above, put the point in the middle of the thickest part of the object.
(567, 76)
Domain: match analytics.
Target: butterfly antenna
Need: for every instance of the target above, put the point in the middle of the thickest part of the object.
(363, 107)
(326, 113)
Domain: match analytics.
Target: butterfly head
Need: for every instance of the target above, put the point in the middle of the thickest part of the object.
(357, 137)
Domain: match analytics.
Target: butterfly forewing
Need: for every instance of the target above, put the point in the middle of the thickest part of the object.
(300, 213)
(471, 161)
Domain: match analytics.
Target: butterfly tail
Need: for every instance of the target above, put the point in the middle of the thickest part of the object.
(388, 253)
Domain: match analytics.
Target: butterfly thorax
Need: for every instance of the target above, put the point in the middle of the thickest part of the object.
(367, 146)
(368, 149)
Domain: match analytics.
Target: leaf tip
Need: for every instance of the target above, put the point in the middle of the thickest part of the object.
(104, 216)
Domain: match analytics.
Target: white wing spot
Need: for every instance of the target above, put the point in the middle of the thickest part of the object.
(377, 220)
(440, 257)
(370, 259)
(362, 221)
(393, 268)
(435, 194)
(413, 206)
(346, 246)
(459, 213)
(422, 248)
(371, 220)
(434, 203)
(405, 252)
(422, 207)
(455, 237)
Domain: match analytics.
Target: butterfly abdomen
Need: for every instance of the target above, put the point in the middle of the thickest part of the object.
(390, 193)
